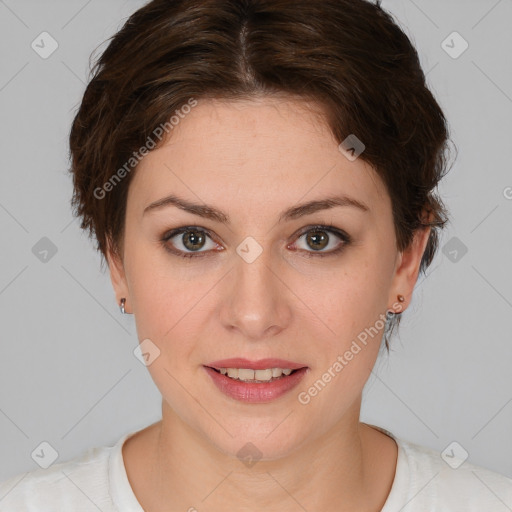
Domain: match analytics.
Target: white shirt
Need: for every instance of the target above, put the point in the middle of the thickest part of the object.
(97, 481)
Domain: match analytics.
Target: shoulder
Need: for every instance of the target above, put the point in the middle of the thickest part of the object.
(80, 484)
(429, 480)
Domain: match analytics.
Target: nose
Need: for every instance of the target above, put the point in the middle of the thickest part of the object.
(257, 300)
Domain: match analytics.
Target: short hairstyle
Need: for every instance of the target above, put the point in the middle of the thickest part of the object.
(349, 57)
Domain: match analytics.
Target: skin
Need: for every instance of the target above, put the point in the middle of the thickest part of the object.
(252, 160)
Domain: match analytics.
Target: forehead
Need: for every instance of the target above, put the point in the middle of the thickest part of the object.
(245, 154)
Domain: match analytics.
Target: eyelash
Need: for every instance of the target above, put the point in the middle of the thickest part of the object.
(310, 254)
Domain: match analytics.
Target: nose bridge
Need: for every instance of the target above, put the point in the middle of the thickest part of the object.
(257, 302)
(255, 269)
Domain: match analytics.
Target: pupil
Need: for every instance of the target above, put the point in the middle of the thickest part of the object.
(319, 238)
(191, 239)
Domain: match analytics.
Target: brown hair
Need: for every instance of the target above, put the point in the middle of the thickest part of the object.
(348, 56)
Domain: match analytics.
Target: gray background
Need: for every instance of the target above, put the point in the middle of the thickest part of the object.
(68, 374)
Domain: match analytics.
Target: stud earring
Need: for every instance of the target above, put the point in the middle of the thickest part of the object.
(121, 307)
(390, 313)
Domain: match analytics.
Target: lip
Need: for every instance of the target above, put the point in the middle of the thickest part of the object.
(255, 392)
(260, 364)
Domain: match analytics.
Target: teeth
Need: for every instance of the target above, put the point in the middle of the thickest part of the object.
(233, 373)
(247, 374)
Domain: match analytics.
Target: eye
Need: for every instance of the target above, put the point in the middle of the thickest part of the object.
(318, 238)
(189, 241)
(192, 241)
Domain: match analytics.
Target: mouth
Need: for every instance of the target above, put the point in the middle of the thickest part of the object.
(256, 376)
(255, 381)
(262, 370)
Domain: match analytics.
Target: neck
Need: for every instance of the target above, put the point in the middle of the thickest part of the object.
(336, 471)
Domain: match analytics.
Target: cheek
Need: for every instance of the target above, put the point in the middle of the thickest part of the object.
(351, 305)
(348, 338)
(167, 310)
(352, 298)
(351, 343)
(164, 297)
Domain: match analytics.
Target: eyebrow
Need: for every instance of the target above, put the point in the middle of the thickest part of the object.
(295, 212)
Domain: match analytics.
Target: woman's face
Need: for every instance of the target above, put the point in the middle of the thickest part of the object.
(266, 284)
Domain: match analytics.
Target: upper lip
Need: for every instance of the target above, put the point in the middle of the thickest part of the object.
(261, 364)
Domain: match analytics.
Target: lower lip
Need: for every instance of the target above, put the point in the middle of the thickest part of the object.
(255, 392)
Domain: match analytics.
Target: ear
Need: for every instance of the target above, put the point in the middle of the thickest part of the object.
(407, 270)
(117, 275)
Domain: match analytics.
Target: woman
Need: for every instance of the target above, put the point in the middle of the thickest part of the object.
(260, 177)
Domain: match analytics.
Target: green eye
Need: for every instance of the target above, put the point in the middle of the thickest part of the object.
(317, 238)
(194, 239)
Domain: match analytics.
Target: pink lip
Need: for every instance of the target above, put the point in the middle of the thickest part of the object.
(261, 364)
(255, 392)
